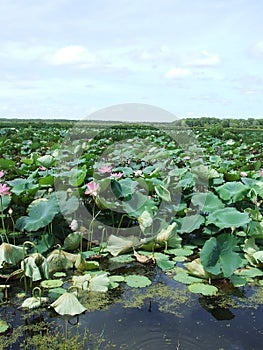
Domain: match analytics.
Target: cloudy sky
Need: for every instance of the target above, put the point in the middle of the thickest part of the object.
(71, 58)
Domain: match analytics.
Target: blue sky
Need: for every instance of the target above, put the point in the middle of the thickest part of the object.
(69, 59)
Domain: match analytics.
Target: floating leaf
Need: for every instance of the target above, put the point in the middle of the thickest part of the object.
(56, 292)
(202, 288)
(136, 281)
(51, 284)
(3, 326)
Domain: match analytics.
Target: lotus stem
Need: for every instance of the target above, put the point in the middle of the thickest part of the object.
(3, 221)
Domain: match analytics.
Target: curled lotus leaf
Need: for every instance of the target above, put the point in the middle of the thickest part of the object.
(34, 302)
(81, 282)
(169, 235)
(119, 245)
(99, 283)
(36, 267)
(68, 305)
(60, 261)
(10, 254)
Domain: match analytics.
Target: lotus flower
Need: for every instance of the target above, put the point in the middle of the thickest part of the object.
(2, 173)
(4, 190)
(116, 175)
(74, 225)
(92, 188)
(105, 169)
(243, 174)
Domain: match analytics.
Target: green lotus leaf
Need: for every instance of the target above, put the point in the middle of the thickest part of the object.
(238, 281)
(120, 245)
(122, 259)
(72, 241)
(136, 281)
(68, 305)
(33, 302)
(41, 213)
(165, 264)
(59, 274)
(124, 187)
(163, 193)
(232, 192)
(228, 217)
(51, 283)
(77, 176)
(36, 267)
(3, 326)
(180, 251)
(67, 204)
(20, 185)
(46, 160)
(145, 220)
(183, 277)
(218, 256)
(191, 223)
(54, 293)
(202, 288)
(250, 272)
(99, 283)
(4, 202)
(11, 254)
(207, 202)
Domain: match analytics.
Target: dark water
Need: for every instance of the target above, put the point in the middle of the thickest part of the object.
(192, 325)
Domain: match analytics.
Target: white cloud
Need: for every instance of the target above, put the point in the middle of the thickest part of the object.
(177, 72)
(73, 54)
(205, 59)
(257, 49)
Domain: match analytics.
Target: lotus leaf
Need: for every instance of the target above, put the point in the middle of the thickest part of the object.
(77, 176)
(10, 254)
(3, 326)
(145, 220)
(99, 283)
(54, 293)
(4, 202)
(163, 193)
(232, 192)
(183, 277)
(170, 236)
(250, 272)
(46, 160)
(195, 268)
(60, 261)
(228, 217)
(218, 256)
(203, 288)
(20, 185)
(36, 267)
(81, 282)
(68, 305)
(191, 223)
(72, 241)
(136, 281)
(119, 245)
(51, 284)
(68, 204)
(207, 202)
(33, 302)
(40, 213)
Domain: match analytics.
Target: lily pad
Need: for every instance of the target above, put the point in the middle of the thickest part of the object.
(51, 284)
(202, 288)
(3, 326)
(136, 281)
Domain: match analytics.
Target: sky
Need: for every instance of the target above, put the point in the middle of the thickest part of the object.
(69, 59)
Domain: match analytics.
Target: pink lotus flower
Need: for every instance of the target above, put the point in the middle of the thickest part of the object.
(92, 188)
(105, 169)
(243, 174)
(2, 173)
(138, 173)
(4, 190)
(260, 172)
(116, 175)
(42, 168)
(187, 158)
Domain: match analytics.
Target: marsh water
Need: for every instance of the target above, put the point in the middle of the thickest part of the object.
(164, 315)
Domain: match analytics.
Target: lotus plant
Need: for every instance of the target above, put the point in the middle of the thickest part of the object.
(92, 188)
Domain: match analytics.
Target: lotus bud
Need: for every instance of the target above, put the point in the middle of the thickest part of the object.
(10, 211)
(74, 225)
